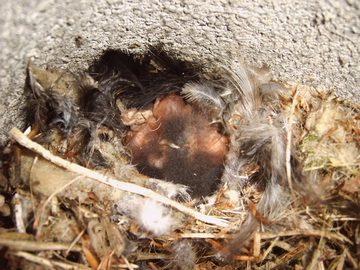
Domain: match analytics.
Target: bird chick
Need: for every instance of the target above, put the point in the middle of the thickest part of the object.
(53, 103)
(178, 143)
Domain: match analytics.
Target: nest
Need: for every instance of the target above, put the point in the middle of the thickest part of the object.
(149, 162)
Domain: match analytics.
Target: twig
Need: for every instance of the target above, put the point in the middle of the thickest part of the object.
(46, 262)
(199, 235)
(106, 261)
(20, 225)
(352, 260)
(318, 233)
(289, 256)
(129, 187)
(257, 245)
(153, 256)
(73, 243)
(35, 245)
(269, 249)
(128, 265)
(90, 257)
(315, 258)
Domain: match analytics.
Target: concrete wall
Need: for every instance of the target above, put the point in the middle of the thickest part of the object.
(314, 42)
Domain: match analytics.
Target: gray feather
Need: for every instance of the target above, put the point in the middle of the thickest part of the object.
(240, 82)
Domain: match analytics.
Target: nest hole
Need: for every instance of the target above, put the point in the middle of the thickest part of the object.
(168, 137)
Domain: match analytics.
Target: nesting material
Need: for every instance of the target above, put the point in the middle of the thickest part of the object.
(148, 162)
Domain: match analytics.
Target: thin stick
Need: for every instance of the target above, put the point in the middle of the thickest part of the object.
(35, 245)
(46, 262)
(267, 236)
(73, 243)
(128, 265)
(199, 235)
(302, 233)
(20, 225)
(269, 249)
(129, 187)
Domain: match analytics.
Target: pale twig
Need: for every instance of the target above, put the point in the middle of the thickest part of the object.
(73, 243)
(316, 254)
(18, 210)
(318, 233)
(128, 265)
(257, 245)
(266, 235)
(153, 256)
(46, 262)
(269, 249)
(129, 187)
(106, 261)
(121, 266)
(35, 245)
(199, 235)
(352, 260)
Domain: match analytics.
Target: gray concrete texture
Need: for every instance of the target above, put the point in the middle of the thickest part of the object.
(313, 42)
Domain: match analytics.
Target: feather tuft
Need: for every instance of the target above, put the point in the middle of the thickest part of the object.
(155, 218)
(185, 255)
(202, 94)
(150, 215)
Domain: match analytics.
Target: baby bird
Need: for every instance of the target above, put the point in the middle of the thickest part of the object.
(178, 143)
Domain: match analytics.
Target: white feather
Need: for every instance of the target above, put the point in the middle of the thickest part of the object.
(147, 213)
(155, 218)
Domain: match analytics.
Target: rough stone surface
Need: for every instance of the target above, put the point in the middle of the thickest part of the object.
(314, 42)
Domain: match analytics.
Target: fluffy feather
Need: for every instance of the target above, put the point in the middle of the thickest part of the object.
(150, 215)
(185, 256)
(155, 218)
(202, 94)
(240, 83)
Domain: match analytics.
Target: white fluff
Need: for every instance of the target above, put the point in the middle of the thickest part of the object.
(155, 217)
(149, 214)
